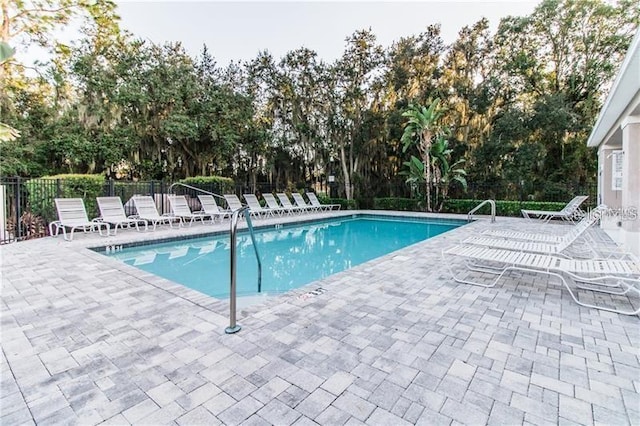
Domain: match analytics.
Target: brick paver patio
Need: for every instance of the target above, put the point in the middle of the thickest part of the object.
(87, 340)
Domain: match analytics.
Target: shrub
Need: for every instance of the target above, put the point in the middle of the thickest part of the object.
(346, 204)
(42, 191)
(365, 203)
(216, 184)
(401, 204)
(32, 225)
(503, 208)
(556, 191)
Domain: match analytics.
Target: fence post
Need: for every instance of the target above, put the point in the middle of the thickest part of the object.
(112, 188)
(162, 190)
(18, 208)
(3, 212)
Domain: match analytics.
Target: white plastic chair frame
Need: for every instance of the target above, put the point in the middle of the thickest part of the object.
(210, 207)
(272, 203)
(563, 246)
(73, 215)
(313, 199)
(299, 201)
(570, 212)
(146, 209)
(180, 208)
(112, 212)
(286, 203)
(597, 274)
(255, 207)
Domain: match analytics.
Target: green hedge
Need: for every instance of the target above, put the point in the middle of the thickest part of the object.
(399, 204)
(42, 191)
(216, 184)
(346, 204)
(503, 208)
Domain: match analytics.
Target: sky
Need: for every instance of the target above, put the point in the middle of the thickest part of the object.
(238, 30)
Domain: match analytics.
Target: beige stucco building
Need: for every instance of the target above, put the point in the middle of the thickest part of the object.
(616, 134)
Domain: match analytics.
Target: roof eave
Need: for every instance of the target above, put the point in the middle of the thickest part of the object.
(625, 89)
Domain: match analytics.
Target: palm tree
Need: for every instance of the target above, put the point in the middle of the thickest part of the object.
(445, 173)
(423, 126)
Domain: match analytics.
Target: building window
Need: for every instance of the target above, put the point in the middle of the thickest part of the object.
(616, 170)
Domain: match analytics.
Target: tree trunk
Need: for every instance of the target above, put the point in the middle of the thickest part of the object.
(427, 176)
(426, 159)
(348, 185)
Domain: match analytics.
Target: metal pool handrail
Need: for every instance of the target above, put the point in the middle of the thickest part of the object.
(194, 188)
(234, 327)
(247, 216)
(493, 210)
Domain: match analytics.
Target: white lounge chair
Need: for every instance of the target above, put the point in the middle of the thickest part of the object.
(561, 246)
(272, 203)
(255, 206)
(73, 215)
(286, 203)
(313, 199)
(210, 207)
(180, 208)
(548, 233)
(609, 276)
(112, 212)
(299, 201)
(571, 212)
(233, 202)
(147, 210)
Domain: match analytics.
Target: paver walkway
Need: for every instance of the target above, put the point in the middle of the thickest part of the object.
(87, 340)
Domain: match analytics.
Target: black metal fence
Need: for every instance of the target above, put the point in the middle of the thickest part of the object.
(27, 205)
(552, 192)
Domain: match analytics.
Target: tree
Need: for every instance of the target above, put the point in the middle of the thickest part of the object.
(348, 87)
(553, 66)
(445, 172)
(298, 108)
(7, 133)
(33, 22)
(422, 128)
(464, 81)
(412, 68)
(38, 105)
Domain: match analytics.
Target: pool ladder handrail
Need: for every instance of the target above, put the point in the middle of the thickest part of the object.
(234, 327)
(195, 189)
(493, 210)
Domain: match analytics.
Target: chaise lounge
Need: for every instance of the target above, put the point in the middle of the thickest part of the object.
(563, 245)
(73, 215)
(112, 212)
(210, 207)
(180, 208)
(608, 276)
(147, 210)
(570, 212)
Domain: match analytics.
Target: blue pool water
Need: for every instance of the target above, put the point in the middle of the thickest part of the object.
(291, 256)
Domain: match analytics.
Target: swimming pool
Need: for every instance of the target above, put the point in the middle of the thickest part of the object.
(292, 256)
